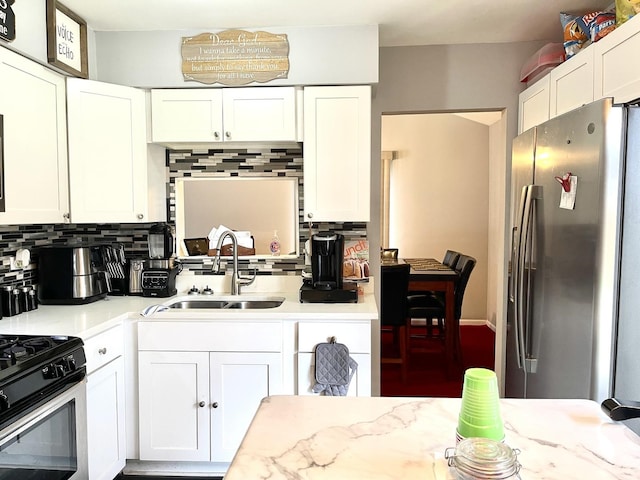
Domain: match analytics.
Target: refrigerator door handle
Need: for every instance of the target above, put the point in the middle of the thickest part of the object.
(512, 266)
(517, 277)
(526, 241)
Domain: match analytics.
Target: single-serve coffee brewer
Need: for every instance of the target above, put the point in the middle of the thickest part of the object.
(327, 258)
(160, 270)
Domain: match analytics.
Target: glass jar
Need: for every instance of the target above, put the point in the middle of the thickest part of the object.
(483, 458)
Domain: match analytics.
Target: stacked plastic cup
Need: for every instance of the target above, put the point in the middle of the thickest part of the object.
(480, 408)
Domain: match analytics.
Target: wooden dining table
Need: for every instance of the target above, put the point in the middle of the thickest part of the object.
(429, 274)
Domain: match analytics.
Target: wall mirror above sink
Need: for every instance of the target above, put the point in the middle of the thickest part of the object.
(259, 205)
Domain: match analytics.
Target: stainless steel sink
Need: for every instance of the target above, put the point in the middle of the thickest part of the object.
(248, 304)
(234, 304)
(186, 304)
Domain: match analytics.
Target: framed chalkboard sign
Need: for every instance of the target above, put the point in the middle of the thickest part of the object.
(66, 40)
(7, 21)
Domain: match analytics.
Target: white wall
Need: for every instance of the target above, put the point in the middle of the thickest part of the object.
(317, 55)
(439, 196)
(31, 34)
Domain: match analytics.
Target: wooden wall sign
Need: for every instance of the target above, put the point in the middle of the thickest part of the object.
(66, 40)
(7, 21)
(235, 57)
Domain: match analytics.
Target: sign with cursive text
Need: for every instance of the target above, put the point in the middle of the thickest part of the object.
(235, 57)
(66, 40)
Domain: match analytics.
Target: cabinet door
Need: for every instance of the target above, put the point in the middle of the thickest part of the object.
(186, 115)
(534, 105)
(571, 83)
(107, 152)
(337, 153)
(239, 381)
(617, 71)
(174, 405)
(106, 421)
(360, 385)
(259, 114)
(32, 105)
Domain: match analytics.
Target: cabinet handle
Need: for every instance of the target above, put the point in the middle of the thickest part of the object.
(140, 216)
(227, 134)
(216, 135)
(102, 351)
(202, 404)
(214, 404)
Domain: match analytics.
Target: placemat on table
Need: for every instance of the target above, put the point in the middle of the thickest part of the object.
(420, 264)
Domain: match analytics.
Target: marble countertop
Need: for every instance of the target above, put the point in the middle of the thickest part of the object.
(390, 438)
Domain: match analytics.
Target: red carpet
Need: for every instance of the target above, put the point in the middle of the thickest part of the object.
(427, 373)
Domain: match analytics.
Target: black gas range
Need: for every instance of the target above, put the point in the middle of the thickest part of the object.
(34, 369)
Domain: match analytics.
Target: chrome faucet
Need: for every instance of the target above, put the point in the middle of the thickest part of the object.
(237, 280)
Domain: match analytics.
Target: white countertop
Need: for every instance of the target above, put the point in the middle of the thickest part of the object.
(388, 438)
(92, 318)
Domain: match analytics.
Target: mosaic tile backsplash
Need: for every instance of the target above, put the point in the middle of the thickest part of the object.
(180, 163)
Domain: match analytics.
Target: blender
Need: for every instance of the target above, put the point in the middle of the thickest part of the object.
(160, 270)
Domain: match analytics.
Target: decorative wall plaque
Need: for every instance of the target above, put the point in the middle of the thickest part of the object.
(7, 21)
(235, 57)
(66, 40)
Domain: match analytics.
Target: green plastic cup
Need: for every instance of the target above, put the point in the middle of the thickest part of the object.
(480, 407)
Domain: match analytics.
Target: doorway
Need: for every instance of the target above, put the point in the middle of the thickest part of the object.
(442, 188)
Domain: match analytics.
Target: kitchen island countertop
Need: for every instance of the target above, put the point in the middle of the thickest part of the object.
(388, 438)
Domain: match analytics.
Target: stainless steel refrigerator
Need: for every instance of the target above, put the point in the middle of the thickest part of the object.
(574, 273)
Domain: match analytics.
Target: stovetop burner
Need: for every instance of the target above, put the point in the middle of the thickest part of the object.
(34, 368)
(17, 349)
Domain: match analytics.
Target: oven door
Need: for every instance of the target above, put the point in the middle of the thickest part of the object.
(49, 443)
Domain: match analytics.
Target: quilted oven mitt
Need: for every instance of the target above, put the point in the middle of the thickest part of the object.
(334, 368)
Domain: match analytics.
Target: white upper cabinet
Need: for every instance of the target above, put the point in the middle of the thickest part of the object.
(186, 115)
(571, 83)
(534, 105)
(33, 112)
(209, 115)
(337, 153)
(617, 70)
(108, 174)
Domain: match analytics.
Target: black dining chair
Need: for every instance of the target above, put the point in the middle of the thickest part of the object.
(394, 285)
(451, 258)
(430, 307)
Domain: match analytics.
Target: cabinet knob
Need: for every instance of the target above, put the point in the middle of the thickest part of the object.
(309, 215)
(66, 216)
(227, 134)
(214, 404)
(102, 351)
(216, 135)
(202, 404)
(140, 216)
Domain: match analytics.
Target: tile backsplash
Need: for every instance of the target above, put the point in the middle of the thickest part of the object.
(218, 163)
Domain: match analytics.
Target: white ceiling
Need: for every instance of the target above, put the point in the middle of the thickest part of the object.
(401, 22)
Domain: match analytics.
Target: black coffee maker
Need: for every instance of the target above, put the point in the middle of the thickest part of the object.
(327, 258)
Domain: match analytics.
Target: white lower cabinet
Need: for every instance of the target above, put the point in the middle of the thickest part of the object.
(197, 405)
(105, 405)
(355, 335)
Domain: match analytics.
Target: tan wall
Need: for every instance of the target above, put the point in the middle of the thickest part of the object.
(439, 195)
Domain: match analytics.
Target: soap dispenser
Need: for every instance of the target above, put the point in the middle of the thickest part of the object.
(274, 246)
